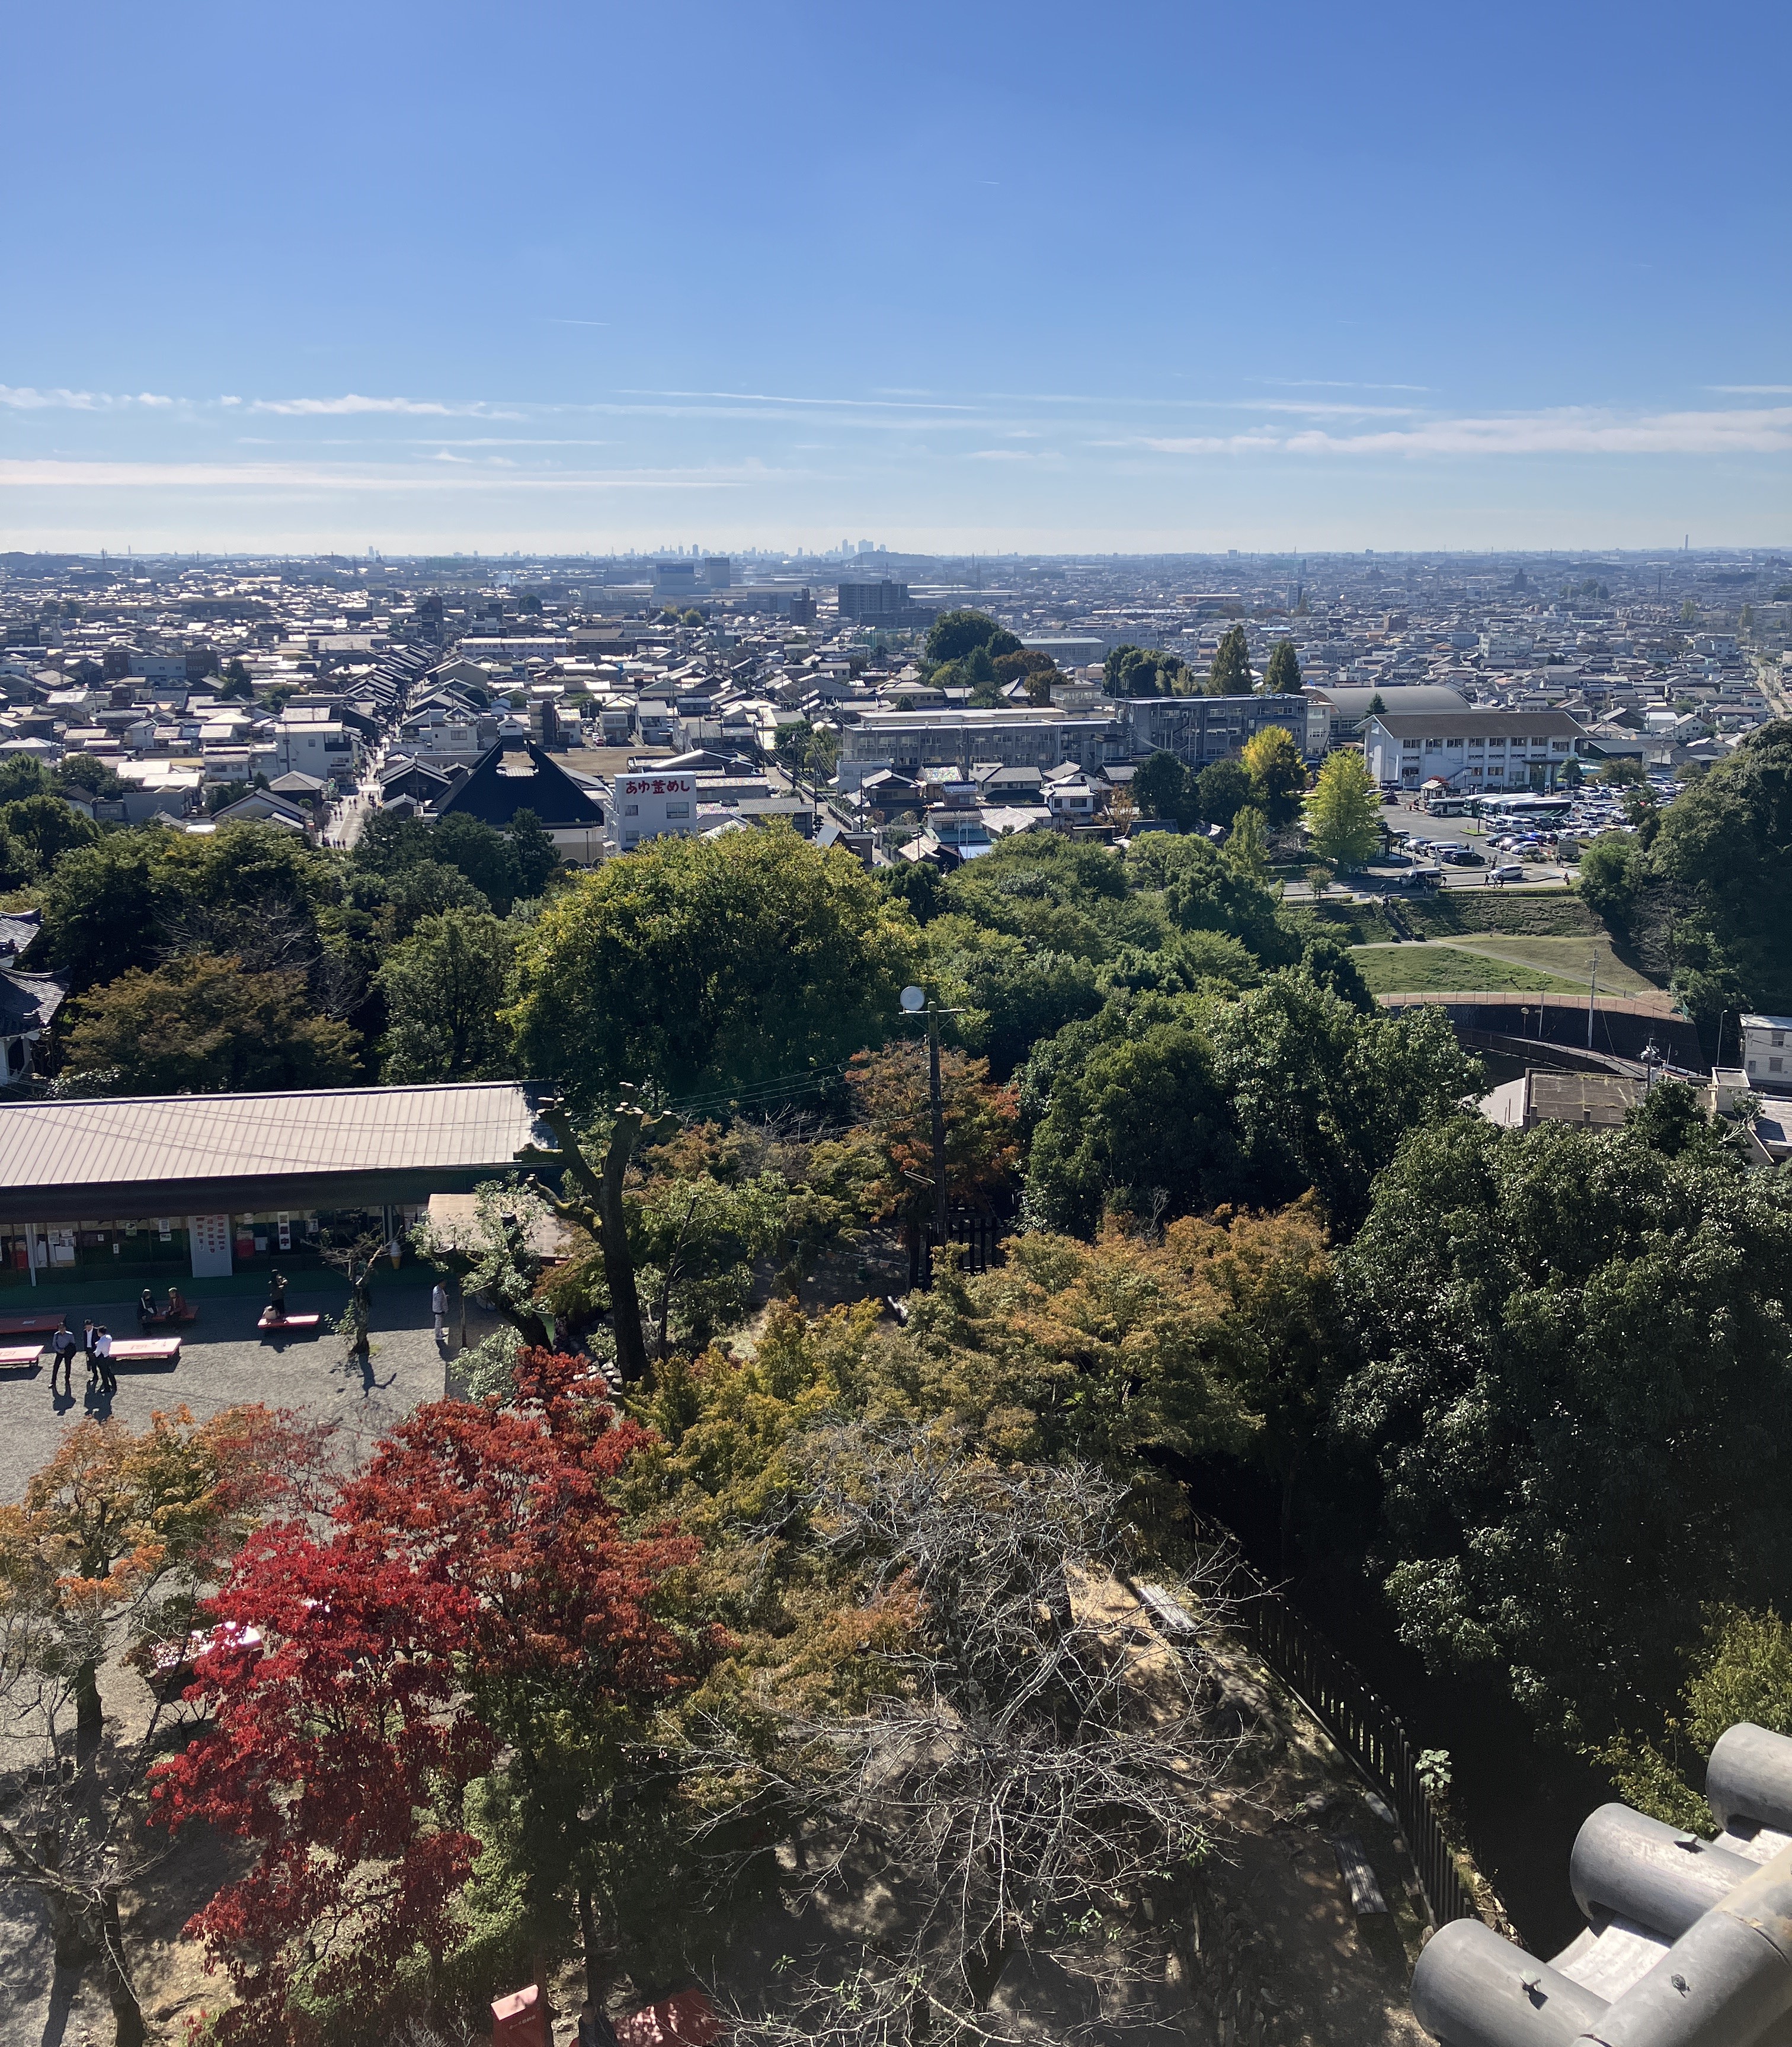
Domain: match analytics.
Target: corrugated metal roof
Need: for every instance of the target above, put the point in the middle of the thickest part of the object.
(142, 1140)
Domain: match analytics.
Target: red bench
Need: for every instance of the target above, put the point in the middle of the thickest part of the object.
(273, 1325)
(46, 1323)
(14, 1355)
(146, 1350)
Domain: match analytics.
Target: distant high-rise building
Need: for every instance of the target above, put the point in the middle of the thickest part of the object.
(884, 604)
(718, 572)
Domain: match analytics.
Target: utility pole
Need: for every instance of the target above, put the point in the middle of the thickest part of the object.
(914, 1000)
(938, 1122)
(1593, 996)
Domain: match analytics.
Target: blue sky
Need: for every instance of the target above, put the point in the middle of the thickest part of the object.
(984, 276)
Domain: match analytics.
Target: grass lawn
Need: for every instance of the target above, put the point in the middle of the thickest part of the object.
(1551, 913)
(1415, 970)
(1457, 913)
(1566, 957)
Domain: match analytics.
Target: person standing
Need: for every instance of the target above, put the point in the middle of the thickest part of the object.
(90, 1338)
(108, 1378)
(438, 1308)
(62, 1360)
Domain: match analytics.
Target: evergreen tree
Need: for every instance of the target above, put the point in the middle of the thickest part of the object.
(1283, 674)
(1230, 675)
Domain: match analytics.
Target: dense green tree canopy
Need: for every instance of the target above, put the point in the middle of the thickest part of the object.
(1201, 893)
(1060, 894)
(1578, 1388)
(200, 1025)
(1250, 1097)
(1145, 671)
(954, 634)
(1704, 891)
(1162, 787)
(709, 963)
(1137, 1122)
(444, 986)
(1222, 790)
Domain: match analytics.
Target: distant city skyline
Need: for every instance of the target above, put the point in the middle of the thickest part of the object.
(1178, 280)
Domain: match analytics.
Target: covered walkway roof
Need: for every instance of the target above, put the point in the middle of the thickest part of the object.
(178, 1154)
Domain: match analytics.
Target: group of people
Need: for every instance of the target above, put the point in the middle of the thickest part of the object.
(95, 1340)
(148, 1314)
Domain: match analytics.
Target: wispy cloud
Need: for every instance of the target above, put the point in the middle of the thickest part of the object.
(781, 398)
(1330, 384)
(1323, 408)
(353, 402)
(1753, 390)
(1570, 430)
(23, 398)
(477, 440)
(252, 479)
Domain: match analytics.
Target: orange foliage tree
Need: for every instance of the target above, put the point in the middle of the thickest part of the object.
(983, 1151)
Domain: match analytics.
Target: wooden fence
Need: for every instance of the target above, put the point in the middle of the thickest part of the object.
(977, 1236)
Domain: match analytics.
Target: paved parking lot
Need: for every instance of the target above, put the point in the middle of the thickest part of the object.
(224, 1358)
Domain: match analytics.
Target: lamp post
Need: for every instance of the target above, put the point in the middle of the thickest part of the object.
(1652, 1058)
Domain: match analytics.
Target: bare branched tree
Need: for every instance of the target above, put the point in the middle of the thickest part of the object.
(277, 935)
(1036, 1771)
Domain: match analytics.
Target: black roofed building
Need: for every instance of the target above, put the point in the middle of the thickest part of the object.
(523, 777)
(28, 1003)
(401, 775)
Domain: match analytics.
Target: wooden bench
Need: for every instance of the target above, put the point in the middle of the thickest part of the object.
(146, 1350)
(273, 1325)
(15, 1355)
(163, 1320)
(45, 1324)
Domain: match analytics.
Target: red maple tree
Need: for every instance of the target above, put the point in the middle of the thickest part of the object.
(475, 1582)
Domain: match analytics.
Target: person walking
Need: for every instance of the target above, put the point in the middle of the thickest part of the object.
(438, 1308)
(62, 1360)
(108, 1378)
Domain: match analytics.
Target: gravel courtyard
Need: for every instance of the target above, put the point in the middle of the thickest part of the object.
(224, 1358)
